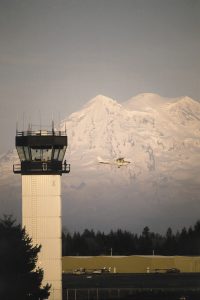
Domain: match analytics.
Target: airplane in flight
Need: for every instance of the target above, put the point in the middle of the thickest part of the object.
(119, 162)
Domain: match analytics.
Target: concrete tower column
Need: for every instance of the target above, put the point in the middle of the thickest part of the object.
(41, 155)
(41, 216)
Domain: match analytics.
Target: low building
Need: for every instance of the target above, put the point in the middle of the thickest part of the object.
(132, 264)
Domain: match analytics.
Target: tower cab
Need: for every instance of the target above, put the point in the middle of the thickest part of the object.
(41, 152)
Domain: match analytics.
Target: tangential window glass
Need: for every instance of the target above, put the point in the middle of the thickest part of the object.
(20, 151)
(62, 153)
(46, 154)
(41, 154)
(56, 153)
(36, 154)
(26, 152)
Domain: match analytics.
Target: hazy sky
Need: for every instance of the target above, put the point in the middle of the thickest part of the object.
(57, 54)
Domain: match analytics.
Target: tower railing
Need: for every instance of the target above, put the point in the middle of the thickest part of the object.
(40, 133)
(42, 168)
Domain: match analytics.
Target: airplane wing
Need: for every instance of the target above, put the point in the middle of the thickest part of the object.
(102, 161)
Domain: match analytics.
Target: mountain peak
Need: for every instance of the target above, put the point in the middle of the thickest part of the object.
(187, 100)
(101, 104)
(101, 100)
(146, 102)
(187, 107)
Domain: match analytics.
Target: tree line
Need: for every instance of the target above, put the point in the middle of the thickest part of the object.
(122, 242)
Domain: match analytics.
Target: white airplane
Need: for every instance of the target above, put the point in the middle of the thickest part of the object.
(120, 161)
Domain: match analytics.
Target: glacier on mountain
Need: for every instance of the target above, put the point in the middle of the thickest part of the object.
(159, 188)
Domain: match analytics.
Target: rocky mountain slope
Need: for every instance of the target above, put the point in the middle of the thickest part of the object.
(160, 137)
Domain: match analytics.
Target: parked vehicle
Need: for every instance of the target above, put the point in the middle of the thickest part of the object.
(169, 271)
(100, 271)
(79, 271)
(173, 270)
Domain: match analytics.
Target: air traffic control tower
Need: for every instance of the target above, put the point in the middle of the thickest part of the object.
(41, 154)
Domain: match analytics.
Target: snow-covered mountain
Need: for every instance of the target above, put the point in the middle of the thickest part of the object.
(159, 187)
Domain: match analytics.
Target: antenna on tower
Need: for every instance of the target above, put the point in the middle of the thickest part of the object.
(40, 119)
(16, 127)
(53, 130)
(23, 120)
(65, 128)
(29, 126)
(59, 120)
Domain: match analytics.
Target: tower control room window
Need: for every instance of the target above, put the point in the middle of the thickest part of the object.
(55, 154)
(41, 154)
(21, 154)
(36, 154)
(26, 152)
(46, 154)
(59, 153)
(62, 153)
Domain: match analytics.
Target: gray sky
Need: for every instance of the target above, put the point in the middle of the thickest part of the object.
(57, 54)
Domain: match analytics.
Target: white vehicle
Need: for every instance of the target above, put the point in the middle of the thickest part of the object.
(100, 271)
(79, 271)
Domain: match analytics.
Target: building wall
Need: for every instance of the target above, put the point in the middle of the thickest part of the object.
(41, 216)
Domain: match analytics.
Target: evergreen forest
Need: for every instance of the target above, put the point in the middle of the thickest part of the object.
(122, 242)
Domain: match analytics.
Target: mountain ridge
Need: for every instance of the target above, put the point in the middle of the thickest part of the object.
(162, 143)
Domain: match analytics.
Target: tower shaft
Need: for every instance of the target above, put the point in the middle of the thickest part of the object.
(41, 216)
